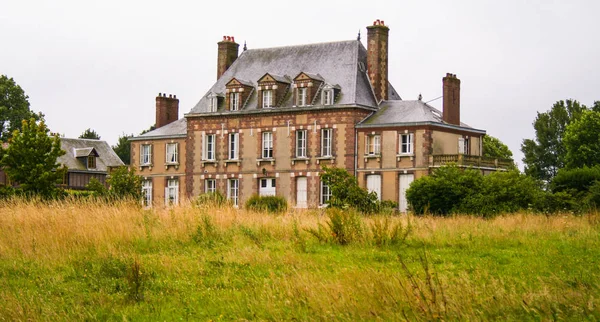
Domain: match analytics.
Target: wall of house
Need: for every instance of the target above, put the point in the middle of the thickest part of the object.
(78, 180)
(284, 166)
(159, 171)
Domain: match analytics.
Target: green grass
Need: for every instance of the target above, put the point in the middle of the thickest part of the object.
(86, 261)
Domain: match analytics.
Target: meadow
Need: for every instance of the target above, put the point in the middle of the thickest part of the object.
(83, 260)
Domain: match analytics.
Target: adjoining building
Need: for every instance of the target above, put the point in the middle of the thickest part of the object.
(276, 116)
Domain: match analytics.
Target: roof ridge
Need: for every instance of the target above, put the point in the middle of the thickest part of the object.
(302, 45)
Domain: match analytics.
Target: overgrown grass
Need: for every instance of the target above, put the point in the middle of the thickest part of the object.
(79, 260)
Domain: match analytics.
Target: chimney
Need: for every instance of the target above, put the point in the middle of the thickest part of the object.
(451, 105)
(377, 58)
(228, 53)
(167, 109)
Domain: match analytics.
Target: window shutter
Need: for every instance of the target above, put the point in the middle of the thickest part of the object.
(141, 154)
(166, 196)
(203, 157)
(237, 145)
(412, 143)
(461, 145)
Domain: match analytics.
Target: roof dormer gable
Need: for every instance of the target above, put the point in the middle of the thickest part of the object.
(238, 93)
(307, 88)
(85, 152)
(272, 90)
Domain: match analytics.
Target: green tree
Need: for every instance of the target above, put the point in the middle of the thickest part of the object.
(123, 148)
(494, 148)
(30, 159)
(14, 107)
(545, 154)
(582, 141)
(124, 183)
(89, 134)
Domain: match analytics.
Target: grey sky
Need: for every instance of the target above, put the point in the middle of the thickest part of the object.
(101, 64)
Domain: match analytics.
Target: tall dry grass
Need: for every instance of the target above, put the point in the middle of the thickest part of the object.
(274, 268)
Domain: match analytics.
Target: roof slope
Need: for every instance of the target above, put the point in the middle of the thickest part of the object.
(174, 129)
(338, 63)
(106, 156)
(407, 113)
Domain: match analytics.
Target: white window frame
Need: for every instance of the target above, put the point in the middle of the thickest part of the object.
(210, 185)
(373, 144)
(464, 145)
(234, 101)
(147, 193)
(406, 141)
(209, 148)
(172, 192)
(214, 103)
(302, 96)
(267, 98)
(145, 154)
(172, 156)
(301, 143)
(326, 142)
(325, 194)
(234, 144)
(267, 145)
(233, 191)
(328, 96)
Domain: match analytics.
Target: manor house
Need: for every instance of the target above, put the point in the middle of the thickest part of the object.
(276, 116)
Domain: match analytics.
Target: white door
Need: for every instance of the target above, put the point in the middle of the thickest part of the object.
(405, 181)
(374, 184)
(301, 192)
(266, 187)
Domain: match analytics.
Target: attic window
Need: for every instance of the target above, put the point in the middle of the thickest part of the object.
(302, 96)
(214, 103)
(328, 96)
(267, 98)
(234, 101)
(91, 162)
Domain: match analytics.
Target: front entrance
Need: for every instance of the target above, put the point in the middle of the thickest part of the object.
(301, 192)
(266, 187)
(405, 181)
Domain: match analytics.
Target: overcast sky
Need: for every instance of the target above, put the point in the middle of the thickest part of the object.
(101, 64)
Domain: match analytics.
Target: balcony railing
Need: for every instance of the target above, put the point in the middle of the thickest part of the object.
(469, 161)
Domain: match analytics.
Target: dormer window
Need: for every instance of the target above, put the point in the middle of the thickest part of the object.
(272, 89)
(214, 100)
(302, 96)
(234, 101)
(328, 94)
(91, 162)
(267, 98)
(328, 97)
(237, 94)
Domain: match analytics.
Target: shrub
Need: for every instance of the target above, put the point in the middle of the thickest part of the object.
(97, 187)
(272, 204)
(554, 202)
(443, 192)
(387, 233)
(124, 183)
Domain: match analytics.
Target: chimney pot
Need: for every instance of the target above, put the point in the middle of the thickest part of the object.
(382, 23)
(224, 38)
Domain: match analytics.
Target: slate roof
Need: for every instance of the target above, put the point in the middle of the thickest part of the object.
(340, 63)
(173, 129)
(106, 156)
(394, 113)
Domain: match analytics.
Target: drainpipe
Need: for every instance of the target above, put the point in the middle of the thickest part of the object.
(355, 152)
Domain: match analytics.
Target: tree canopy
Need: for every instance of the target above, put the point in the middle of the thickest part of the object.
(30, 159)
(89, 134)
(14, 107)
(494, 148)
(582, 141)
(545, 154)
(123, 148)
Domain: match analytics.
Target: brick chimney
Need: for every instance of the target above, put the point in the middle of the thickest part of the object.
(451, 92)
(167, 109)
(228, 53)
(377, 58)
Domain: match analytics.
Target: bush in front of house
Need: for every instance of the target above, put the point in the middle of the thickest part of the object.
(211, 199)
(451, 190)
(272, 204)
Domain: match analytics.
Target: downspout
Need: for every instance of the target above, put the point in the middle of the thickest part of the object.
(355, 152)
